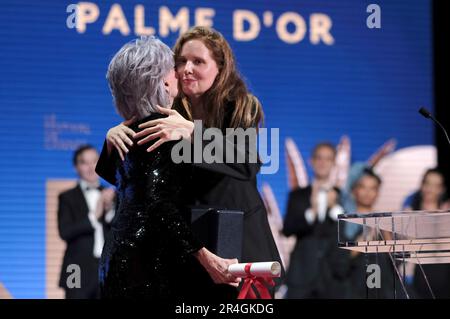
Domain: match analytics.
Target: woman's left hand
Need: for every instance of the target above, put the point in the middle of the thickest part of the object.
(171, 128)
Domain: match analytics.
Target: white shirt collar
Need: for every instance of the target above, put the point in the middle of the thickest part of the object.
(84, 185)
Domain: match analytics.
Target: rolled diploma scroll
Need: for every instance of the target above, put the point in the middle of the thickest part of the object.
(261, 269)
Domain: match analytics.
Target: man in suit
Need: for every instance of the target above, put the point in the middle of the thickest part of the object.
(84, 214)
(318, 268)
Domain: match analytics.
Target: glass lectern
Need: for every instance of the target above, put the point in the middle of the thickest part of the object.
(407, 237)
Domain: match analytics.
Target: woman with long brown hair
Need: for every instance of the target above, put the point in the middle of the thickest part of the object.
(212, 91)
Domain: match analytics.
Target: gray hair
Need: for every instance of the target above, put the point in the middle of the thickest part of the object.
(136, 77)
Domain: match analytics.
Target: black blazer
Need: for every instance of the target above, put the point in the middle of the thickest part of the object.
(318, 268)
(76, 230)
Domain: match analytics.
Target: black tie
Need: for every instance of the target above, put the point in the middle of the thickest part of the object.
(88, 188)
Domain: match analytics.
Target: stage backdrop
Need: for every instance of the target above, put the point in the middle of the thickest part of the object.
(321, 69)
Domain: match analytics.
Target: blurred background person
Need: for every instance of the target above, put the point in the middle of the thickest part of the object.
(317, 266)
(431, 196)
(354, 174)
(84, 215)
(365, 192)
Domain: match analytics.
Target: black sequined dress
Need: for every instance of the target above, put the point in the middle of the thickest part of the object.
(149, 251)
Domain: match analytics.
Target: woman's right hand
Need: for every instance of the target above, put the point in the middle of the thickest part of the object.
(217, 267)
(170, 128)
(118, 136)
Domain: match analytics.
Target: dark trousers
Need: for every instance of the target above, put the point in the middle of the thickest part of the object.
(89, 284)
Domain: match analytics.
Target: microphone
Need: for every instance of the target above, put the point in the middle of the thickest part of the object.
(426, 114)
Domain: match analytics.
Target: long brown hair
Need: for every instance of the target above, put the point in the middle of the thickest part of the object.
(228, 87)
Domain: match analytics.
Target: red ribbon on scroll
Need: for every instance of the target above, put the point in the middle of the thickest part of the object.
(260, 285)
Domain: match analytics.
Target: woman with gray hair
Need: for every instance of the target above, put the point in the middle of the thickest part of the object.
(152, 252)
